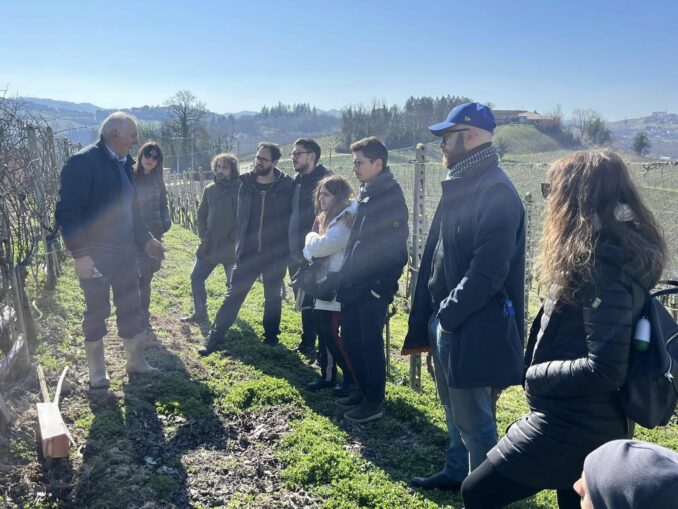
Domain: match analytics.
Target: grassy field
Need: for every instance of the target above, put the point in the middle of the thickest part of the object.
(236, 429)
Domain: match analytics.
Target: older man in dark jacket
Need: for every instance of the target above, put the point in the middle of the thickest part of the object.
(469, 297)
(375, 256)
(261, 246)
(98, 214)
(305, 156)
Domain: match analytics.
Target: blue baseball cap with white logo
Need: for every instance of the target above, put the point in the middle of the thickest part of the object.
(472, 114)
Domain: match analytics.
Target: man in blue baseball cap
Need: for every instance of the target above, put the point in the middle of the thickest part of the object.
(469, 299)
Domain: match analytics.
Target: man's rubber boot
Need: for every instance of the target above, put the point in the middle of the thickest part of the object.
(134, 351)
(98, 378)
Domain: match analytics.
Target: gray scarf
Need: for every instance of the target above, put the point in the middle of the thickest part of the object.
(378, 181)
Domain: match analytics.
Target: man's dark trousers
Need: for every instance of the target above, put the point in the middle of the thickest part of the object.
(120, 273)
(362, 327)
(245, 273)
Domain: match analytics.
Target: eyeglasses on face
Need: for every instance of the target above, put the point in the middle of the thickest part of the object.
(545, 189)
(297, 153)
(262, 159)
(357, 163)
(152, 155)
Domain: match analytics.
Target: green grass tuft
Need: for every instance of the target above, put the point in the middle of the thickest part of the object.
(263, 391)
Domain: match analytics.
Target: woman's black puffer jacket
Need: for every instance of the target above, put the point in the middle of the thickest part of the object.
(576, 359)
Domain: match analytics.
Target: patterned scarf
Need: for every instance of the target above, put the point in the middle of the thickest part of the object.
(464, 167)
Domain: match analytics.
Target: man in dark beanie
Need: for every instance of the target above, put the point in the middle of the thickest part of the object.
(629, 474)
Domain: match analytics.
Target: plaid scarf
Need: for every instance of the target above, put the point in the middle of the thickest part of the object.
(464, 167)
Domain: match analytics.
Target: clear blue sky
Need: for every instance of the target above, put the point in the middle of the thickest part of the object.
(618, 57)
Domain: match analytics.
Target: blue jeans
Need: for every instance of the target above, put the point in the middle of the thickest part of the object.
(201, 271)
(468, 412)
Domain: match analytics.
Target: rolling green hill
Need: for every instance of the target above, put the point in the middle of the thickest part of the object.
(525, 139)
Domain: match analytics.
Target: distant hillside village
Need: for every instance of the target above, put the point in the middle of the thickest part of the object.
(525, 117)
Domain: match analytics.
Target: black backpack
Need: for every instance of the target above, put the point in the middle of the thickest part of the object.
(650, 393)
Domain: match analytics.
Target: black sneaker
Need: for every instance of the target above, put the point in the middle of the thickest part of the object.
(316, 385)
(215, 341)
(351, 401)
(306, 350)
(440, 481)
(368, 411)
(196, 317)
(343, 390)
(271, 341)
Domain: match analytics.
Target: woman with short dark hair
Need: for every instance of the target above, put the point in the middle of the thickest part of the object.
(601, 252)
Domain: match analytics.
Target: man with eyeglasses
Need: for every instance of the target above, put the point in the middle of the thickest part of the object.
(305, 156)
(374, 259)
(469, 299)
(261, 246)
(98, 213)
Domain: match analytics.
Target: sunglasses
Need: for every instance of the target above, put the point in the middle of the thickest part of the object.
(545, 189)
(446, 136)
(152, 155)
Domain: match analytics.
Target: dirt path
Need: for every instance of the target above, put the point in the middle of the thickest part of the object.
(147, 442)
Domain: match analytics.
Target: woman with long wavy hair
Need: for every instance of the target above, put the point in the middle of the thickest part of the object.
(601, 251)
(152, 196)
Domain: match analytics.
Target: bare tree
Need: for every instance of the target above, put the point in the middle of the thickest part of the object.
(557, 115)
(582, 119)
(185, 115)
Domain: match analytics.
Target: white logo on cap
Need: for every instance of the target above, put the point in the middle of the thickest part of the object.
(467, 118)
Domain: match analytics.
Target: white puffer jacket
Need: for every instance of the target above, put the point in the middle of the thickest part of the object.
(331, 245)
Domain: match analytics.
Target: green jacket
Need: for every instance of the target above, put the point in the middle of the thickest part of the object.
(216, 222)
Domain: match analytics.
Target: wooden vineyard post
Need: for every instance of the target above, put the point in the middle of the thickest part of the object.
(56, 439)
(5, 415)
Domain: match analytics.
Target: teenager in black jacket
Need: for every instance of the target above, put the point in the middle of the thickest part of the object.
(601, 251)
(375, 256)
